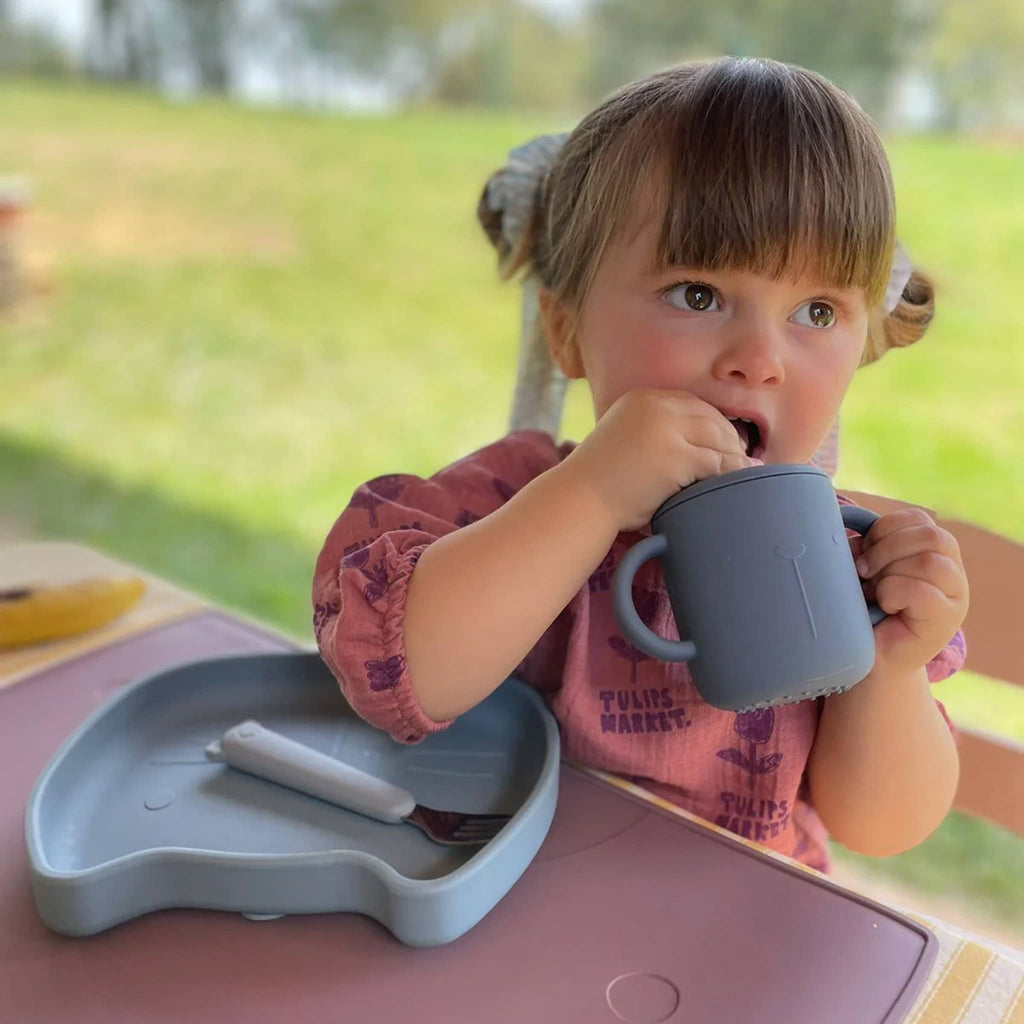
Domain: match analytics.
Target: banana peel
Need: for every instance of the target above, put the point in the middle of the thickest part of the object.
(35, 614)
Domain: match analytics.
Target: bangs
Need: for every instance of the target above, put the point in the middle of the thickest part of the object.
(761, 167)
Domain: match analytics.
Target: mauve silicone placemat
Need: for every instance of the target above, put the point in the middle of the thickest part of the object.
(627, 913)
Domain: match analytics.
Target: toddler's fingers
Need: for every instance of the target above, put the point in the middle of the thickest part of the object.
(916, 521)
(891, 522)
(919, 599)
(713, 431)
(940, 571)
(712, 462)
(910, 540)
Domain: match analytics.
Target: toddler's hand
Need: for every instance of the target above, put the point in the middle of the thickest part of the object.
(913, 569)
(650, 443)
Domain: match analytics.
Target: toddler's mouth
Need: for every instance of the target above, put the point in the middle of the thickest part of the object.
(750, 435)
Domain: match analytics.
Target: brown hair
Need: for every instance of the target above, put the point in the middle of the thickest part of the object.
(756, 165)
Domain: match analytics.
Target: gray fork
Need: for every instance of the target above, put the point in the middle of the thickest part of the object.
(253, 748)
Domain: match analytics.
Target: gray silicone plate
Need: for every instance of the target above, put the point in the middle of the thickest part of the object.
(130, 816)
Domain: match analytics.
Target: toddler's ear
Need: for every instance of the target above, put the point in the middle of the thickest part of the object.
(556, 321)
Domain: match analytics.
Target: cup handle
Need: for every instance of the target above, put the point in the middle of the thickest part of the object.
(860, 519)
(622, 601)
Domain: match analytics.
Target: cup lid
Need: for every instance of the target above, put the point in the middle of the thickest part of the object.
(739, 476)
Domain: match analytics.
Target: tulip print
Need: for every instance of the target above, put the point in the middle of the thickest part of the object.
(356, 559)
(376, 492)
(384, 675)
(321, 613)
(377, 586)
(629, 653)
(756, 727)
(646, 602)
(377, 575)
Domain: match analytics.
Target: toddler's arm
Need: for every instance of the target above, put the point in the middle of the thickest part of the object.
(884, 767)
(883, 770)
(363, 577)
(422, 620)
(480, 598)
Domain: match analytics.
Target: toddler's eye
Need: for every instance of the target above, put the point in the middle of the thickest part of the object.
(821, 314)
(690, 295)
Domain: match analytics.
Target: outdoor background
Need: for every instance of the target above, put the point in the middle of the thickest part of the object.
(251, 278)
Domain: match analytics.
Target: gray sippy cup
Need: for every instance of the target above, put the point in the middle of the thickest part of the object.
(762, 583)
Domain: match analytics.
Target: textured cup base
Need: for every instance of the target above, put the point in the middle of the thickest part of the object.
(796, 698)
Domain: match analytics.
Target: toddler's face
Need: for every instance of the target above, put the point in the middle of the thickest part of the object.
(743, 343)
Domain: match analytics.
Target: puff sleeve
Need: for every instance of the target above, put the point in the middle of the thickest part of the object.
(362, 574)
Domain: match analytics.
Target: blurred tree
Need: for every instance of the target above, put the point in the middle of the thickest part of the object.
(492, 53)
(517, 57)
(30, 49)
(503, 53)
(975, 56)
(402, 43)
(121, 42)
(858, 46)
(142, 40)
(207, 25)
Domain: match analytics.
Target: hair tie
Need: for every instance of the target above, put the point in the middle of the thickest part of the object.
(902, 268)
(513, 190)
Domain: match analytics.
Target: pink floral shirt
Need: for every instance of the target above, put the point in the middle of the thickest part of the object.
(618, 709)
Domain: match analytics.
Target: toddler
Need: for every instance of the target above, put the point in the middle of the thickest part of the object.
(714, 250)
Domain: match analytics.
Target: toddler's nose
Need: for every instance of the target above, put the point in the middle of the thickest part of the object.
(754, 359)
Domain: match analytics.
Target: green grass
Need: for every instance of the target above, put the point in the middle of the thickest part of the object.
(244, 314)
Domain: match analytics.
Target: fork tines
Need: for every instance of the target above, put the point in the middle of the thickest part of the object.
(457, 827)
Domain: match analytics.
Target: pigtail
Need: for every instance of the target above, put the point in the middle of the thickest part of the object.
(512, 211)
(914, 312)
(907, 323)
(524, 251)
(490, 220)
(513, 206)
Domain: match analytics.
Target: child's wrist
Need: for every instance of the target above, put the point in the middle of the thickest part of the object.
(587, 500)
(895, 689)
